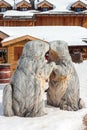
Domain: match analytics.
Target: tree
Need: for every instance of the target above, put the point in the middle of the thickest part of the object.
(32, 3)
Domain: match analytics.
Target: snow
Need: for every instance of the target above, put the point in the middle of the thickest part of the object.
(18, 13)
(55, 118)
(73, 35)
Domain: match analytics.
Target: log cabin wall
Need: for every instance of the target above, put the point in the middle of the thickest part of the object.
(18, 22)
(84, 22)
(1, 16)
(47, 20)
(1, 23)
(1, 20)
(63, 20)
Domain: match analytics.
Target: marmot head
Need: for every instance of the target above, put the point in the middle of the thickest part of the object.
(35, 49)
(51, 56)
(60, 48)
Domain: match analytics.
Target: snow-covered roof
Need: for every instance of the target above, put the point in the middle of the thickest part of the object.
(18, 13)
(58, 6)
(73, 35)
(62, 5)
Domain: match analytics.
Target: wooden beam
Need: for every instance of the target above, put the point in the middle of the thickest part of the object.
(18, 39)
(45, 2)
(4, 3)
(78, 3)
(23, 3)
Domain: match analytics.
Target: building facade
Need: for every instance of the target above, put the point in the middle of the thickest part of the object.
(45, 14)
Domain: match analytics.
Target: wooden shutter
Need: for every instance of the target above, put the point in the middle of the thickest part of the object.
(17, 52)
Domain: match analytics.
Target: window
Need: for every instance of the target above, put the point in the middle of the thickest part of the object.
(3, 56)
(24, 9)
(3, 9)
(78, 9)
(17, 52)
(44, 9)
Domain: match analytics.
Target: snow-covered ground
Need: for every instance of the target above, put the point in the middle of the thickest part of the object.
(55, 119)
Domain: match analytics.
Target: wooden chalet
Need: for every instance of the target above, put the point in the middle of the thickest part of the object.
(46, 20)
(44, 6)
(78, 6)
(74, 17)
(13, 49)
(4, 6)
(23, 6)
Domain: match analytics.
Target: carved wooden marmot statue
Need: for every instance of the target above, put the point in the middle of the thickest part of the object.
(24, 95)
(64, 85)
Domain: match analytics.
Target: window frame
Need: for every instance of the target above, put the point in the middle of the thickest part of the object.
(3, 9)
